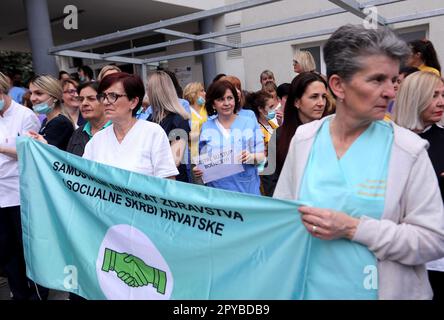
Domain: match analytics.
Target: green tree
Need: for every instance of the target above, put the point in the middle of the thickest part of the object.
(20, 62)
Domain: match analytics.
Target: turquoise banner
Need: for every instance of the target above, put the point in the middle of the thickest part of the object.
(106, 233)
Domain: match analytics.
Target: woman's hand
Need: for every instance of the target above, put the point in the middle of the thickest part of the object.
(328, 224)
(36, 136)
(246, 157)
(198, 173)
(252, 158)
(280, 116)
(8, 151)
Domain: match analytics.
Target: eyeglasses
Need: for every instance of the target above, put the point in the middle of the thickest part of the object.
(71, 92)
(111, 97)
(88, 98)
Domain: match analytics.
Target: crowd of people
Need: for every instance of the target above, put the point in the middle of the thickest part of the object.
(361, 146)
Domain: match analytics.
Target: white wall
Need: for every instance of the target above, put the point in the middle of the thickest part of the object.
(229, 66)
(193, 62)
(278, 57)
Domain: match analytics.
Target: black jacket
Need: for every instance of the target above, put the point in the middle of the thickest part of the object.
(435, 136)
(78, 141)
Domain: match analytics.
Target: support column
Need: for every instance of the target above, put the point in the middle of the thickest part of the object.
(144, 74)
(208, 60)
(40, 37)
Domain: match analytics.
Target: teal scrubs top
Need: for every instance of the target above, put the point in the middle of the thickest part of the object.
(354, 184)
(244, 135)
(87, 128)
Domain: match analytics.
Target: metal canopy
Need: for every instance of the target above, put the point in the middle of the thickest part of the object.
(162, 24)
(351, 6)
(355, 7)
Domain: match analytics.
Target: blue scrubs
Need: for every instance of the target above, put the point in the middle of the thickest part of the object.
(355, 185)
(247, 113)
(243, 135)
(144, 115)
(244, 113)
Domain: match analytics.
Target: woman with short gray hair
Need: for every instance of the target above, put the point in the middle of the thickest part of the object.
(373, 223)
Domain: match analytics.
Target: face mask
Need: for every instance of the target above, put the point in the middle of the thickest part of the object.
(200, 101)
(2, 104)
(271, 115)
(43, 108)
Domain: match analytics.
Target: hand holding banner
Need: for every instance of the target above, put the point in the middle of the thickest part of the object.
(169, 240)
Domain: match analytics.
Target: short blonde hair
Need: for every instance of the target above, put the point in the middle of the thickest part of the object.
(414, 96)
(5, 83)
(306, 60)
(191, 92)
(107, 68)
(163, 97)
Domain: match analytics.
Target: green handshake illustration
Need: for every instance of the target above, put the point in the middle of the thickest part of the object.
(133, 270)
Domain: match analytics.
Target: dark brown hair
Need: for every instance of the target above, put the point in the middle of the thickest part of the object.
(257, 100)
(427, 51)
(132, 85)
(291, 114)
(217, 90)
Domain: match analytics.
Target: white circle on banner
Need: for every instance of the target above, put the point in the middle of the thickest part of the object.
(123, 240)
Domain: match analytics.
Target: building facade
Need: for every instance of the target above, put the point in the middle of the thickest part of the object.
(268, 48)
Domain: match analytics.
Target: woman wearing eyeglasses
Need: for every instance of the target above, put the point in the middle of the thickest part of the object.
(94, 114)
(46, 97)
(131, 144)
(71, 102)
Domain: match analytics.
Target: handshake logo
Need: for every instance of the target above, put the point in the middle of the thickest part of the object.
(133, 271)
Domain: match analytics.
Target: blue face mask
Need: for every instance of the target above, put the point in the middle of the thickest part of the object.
(2, 104)
(42, 108)
(200, 101)
(271, 115)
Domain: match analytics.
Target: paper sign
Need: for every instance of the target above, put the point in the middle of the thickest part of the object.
(219, 165)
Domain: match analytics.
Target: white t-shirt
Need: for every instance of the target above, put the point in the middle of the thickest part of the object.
(437, 265)
(16, 121)
(145, 149)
